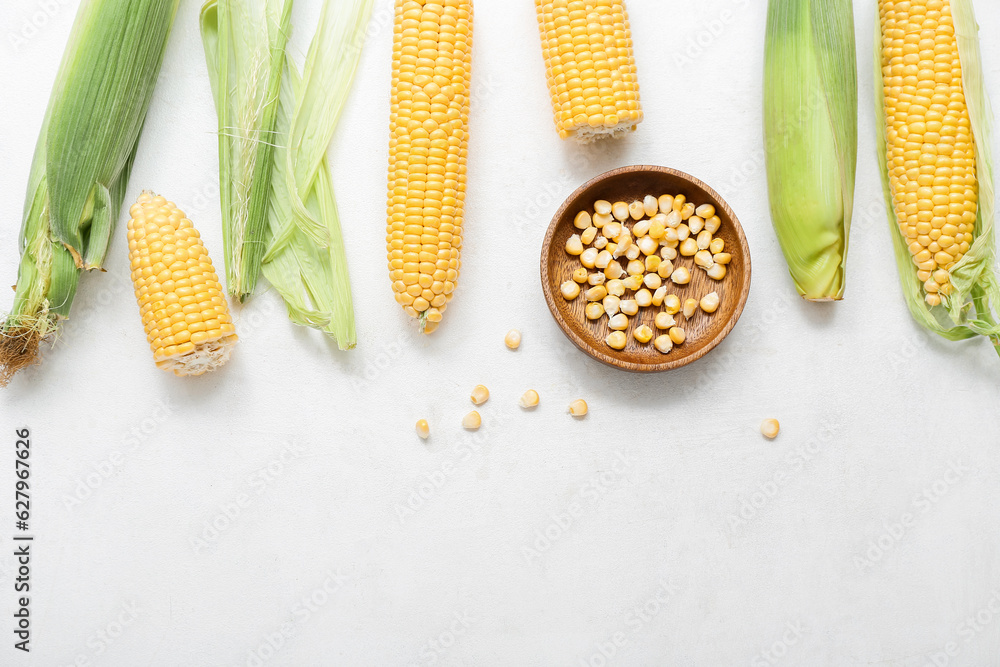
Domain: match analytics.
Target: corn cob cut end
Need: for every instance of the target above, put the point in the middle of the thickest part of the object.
(183, 308)
(587, 134)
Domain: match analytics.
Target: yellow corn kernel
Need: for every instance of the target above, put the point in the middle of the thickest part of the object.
(616, 340)
(472, 421)
(513, 339)
(529, 399)
(423, 429)
(769, 428)
(578, 408)
(480, 394)
(643, 334)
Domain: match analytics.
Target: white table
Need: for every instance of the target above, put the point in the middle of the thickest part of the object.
(691, 540)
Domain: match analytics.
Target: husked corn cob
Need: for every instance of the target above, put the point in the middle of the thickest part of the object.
(183, 307)
(930, 148)
(431, 70)
(587, 46)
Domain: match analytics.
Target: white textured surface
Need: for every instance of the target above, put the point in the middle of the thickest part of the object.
(886, 409)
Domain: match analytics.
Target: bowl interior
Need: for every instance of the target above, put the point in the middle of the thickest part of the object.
(704, 331)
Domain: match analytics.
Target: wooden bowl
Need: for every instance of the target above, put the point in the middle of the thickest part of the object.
(704, 331)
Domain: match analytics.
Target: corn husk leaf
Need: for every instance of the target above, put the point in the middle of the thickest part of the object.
(970, 310)
(82, 162)
(244, 43)
(811, 138)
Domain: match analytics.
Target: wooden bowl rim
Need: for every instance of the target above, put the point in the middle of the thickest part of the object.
(600, 355)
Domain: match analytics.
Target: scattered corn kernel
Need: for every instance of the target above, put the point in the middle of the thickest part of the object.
(636, 268)
(423, 429)
(629, 306)
(612, 230)
(717, 271)
(596, 279)
(712, 224)
(594, 311)
(644, 297)
(666, 203)
(574, 246)
(716, 246)
(529, 399)
(650, 206)
(703, 258)
(677, 335)
(652, 263)
(688, 247)
(588, 257)
(614, 271)
(602, 206)
(597, 293)
(616, 340)
(603, 259)
(657, 226)
(641, 228)
(643, 334)
(663, 343)
(704, 240)
(633, 282)
(683, 233)
(472, 421)
(687, 210)
(581, 275)
(672, 304)
(681, 276)
(652, 281)
(690, 305)
(611, 305)
(710, 302)
(695, 224)
(512, 339)
(582, 220)
(480, 394)
(615, 287)
(705, 211)
(664, 321)
(722, 257)
(620, 210)
(570, 290)
(578, 408)
(619, 322)
(648, 245)
(588, 235)
(769, 428)
(668, 253)
(636, 209)
(659, 295)
(673, 220)
(600, 243)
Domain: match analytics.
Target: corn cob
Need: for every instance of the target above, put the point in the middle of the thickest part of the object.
(431, 60)
(935, 127)
(811, 138)
(587, 46)
(183, 307)
(930, 148)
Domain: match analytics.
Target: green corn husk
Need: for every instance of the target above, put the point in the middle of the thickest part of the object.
(811, 138)
(305, 259)
(82, 162)
(245, 50)
(971, 308)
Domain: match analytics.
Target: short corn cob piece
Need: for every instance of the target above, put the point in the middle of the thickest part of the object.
(931, 153)
(183, 306)
(431, 70)
(587, 46)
